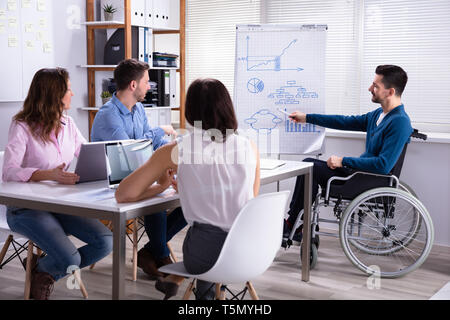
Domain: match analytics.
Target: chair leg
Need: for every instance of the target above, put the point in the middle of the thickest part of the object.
(220, 294)
(252, 291)
(5, 247)
(28, 270)
(172, 254)
(135, 248)
(83, 290)
(189, 289)
(92, 266)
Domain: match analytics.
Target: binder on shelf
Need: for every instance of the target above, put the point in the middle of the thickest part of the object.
(115, 46)
(162, 79)
(141, 44)
(173, 87)
(164, 60)
(148, 44)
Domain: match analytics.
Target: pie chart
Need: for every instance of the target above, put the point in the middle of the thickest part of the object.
(255, 85)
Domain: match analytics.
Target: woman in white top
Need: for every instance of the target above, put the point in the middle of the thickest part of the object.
(217, 173)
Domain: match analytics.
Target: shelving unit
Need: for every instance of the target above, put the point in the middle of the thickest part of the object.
(92, 68)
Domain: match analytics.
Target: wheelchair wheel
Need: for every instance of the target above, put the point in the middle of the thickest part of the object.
(316, 241)
(386, 231)
(403, 186)
(313, 254)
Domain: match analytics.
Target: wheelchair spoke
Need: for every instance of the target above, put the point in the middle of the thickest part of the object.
(372, 216)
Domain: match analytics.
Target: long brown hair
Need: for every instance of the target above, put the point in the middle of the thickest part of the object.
(43, 106)
(208, 101)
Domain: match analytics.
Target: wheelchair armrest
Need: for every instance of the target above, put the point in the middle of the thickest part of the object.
(330, 181)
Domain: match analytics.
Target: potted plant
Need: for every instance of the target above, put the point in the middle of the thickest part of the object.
(108, 11)
(106, 96)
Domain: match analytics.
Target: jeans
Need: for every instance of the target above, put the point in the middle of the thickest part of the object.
(49, 231)
(160, 228)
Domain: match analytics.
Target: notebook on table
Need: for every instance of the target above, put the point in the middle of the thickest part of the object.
(269, 164)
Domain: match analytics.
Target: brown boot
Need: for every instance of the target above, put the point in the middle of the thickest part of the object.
(148, 264)
(41, 285)
(163, 262)
(34, 260)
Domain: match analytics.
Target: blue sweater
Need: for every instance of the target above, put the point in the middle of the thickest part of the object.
(384, 143)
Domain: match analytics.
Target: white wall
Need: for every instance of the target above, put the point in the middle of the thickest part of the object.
(70, 50)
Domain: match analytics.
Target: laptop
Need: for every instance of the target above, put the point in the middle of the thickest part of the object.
(91, 163)
(123, 157)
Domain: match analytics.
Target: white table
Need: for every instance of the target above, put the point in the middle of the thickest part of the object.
(95, 200)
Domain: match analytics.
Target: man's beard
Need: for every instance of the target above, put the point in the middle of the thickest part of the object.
(140, 97)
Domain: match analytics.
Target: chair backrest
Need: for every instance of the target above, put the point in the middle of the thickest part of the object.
(397, 169)
(253, 240)
(399, 164)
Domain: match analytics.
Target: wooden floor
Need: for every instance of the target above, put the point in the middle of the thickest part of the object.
(333, 278)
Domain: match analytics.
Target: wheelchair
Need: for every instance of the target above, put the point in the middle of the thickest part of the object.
(383, 228)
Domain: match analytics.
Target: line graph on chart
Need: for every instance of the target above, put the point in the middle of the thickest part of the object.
(269, 62)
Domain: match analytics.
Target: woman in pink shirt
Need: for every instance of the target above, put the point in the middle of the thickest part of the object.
(42, 141)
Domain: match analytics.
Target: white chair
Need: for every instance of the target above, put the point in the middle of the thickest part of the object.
(20, 247)
(249, 249)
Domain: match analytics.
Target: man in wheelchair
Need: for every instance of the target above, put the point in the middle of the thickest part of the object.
(388, 130)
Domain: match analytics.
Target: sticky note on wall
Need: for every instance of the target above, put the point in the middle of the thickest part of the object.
(12, 5)
(42, 23)
(29, 44)
(41, 5)
(47, 47)
(12, 41)
(40, 35)
(26, 3)
(12, 22)
(28, 27)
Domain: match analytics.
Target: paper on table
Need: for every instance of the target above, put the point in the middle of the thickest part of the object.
(269, 164)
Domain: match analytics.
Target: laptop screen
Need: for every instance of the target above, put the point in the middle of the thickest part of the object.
(126, 156)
